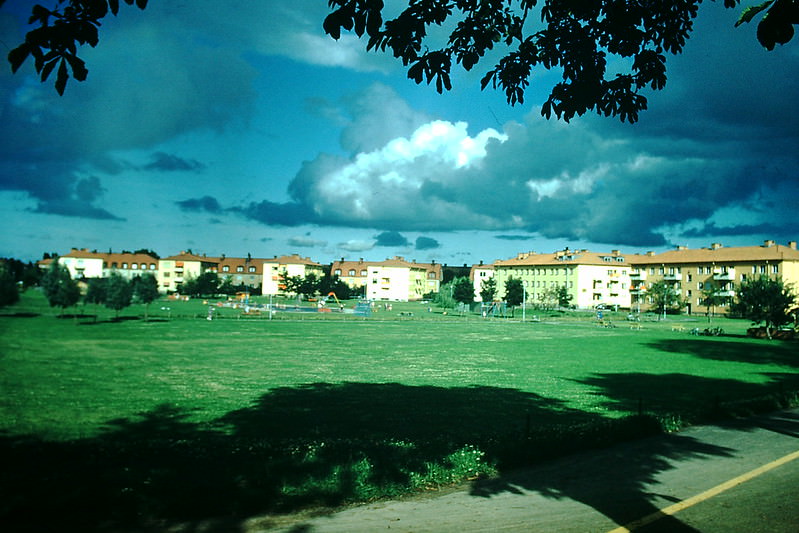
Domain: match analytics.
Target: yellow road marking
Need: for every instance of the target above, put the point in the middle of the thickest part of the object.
(710, 493)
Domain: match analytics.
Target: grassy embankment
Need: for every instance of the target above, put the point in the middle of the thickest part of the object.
(180, 419)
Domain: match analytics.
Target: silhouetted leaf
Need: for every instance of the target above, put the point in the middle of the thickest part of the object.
(18, 55)
(750, 12)
(61, 78)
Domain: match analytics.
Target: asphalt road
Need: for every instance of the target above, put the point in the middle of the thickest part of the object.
(737, 477)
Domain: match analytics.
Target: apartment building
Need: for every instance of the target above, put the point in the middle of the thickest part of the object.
(591, 278)
(396, 280)
(246, 271)
(176, 269)
(692, 272)
(478, 274)
(82, 263)
(275, 269)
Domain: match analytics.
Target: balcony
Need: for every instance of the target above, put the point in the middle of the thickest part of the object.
(641, 289)
(638, 276)
(724, 275)
(676, 276)
(727, 294)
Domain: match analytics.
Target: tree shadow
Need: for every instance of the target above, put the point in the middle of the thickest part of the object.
(20, 314)
(321, 444)
(777, 352)
(621, 486)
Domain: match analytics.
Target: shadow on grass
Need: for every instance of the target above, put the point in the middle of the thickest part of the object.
(20, 314)
(621, 485)
(321, 444)
(784, 353)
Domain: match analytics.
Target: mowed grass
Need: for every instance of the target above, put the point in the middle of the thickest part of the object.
(324, 409)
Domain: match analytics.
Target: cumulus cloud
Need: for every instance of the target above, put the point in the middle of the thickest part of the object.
(391, 239)
(172, 163)
(357, 245)
(205, 203)
(427, 243)
(305, 241)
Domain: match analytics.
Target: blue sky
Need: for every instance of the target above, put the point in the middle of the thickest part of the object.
(235, 130)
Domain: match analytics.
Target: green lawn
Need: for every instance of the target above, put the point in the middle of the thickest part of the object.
(328, 408)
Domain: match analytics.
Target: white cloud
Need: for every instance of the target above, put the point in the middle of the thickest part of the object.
(357, 245)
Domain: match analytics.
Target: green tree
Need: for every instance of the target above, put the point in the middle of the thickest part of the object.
(765, 300)
(463, 290)
(712, 298)
(145, 290)
(59, 287)
(579, 38)
(9, 293)
(514, 293)
(664, 296)
(488, 289)
(205, 285)
(119, 293)
(96, 291)
(563, 297)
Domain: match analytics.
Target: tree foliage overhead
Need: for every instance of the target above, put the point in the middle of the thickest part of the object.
(576, 36)
(59, 33)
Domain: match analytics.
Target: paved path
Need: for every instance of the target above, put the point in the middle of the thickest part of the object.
(742, 476)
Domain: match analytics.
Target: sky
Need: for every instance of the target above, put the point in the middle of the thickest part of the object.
(237, 129)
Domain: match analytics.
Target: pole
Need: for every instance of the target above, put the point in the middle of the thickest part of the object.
(524, 302)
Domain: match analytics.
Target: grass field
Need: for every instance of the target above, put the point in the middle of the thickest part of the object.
(180, 419)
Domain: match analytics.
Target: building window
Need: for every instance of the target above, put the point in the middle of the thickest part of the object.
(775, 269)
(124, 265)
(363, 272)
(226, 268)
(134, 266)
(239, 268)
(337, 272)
(352, 272)
(152, 266)
(762, 269)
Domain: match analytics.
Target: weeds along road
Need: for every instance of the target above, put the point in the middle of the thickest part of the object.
(740, 476)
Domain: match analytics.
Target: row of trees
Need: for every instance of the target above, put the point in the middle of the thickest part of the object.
(460, 290)
(114, 292)
(762, 300)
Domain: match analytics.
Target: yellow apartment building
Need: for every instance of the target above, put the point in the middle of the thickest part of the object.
(396, 280)
(591, 278)
(173, 271)
(693, 271)
(277, 268)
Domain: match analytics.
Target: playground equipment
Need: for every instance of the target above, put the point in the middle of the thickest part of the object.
(493, 309)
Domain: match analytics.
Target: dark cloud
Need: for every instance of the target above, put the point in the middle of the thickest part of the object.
(390, 238)
(164, 162)
(765, 228)
(514, 237)
(205, 203)
(278, 214)
(427, 243)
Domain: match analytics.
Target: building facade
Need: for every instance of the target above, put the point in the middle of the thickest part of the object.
(275, 270)
(396, 280)
(173, 271)
(592, 279)
(694, 273)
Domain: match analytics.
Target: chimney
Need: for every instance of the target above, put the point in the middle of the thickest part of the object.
(615, 253)
(792, 245)
(768, 243)
(681, 248)
(650, 254)
(715, 246)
